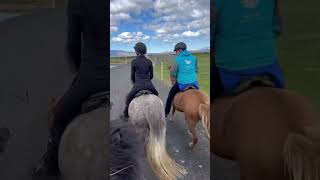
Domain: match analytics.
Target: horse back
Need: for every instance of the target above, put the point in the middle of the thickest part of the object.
(189, 101)
(256, 124)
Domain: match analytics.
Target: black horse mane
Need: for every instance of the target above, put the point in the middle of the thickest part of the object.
(125, 150)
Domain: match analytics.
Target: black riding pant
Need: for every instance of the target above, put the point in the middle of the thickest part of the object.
(70, 104)
(173, 91)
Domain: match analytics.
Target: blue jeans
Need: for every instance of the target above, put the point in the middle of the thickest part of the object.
(184, 86)
(231, 79)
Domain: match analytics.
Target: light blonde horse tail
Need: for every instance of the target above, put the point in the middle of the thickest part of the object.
(302, 154)
(159, 160)
(204, 112)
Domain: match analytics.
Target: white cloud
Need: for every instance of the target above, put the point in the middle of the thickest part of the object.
(161, 31)
(180, 18)
(146, 37)
(130, 37)
(117, 39)
(190, 34)
(113, 28)
(121, 10)
(172, 20)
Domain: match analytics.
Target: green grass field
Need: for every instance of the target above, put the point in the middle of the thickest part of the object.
(203, 74)
(203, 64)
(120, 60)
(299, 47)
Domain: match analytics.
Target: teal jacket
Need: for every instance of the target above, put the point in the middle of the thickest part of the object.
(185, 68)
(244, 34)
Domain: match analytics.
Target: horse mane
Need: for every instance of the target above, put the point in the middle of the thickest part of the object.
(124, 151)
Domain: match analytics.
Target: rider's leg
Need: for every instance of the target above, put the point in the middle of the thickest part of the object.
(173, 91)
(66, 109)
(229, 81)
(130, 97)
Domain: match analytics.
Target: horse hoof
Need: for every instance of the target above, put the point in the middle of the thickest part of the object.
(190, 134)
(191, 145)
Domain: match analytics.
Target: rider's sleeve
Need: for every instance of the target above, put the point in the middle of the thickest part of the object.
(151, 70)
(197, 69)
(174, 70)
(133, 72)
(74, 39)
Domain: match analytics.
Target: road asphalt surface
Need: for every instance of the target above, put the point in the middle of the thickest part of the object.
(196, 162)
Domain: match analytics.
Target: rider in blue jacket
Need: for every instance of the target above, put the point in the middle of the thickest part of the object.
(245, 43)
(183, 73)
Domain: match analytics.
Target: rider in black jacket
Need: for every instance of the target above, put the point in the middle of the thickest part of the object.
(141, 75)
(87, 45)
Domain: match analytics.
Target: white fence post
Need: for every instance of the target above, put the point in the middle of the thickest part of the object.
(126, 60)
(161, 71)
(53, 4)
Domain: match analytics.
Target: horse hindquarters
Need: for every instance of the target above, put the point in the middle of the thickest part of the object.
(83, 150)
(302, 154)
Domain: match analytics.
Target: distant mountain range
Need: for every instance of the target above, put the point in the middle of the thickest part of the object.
(114, 53)
(121, 53)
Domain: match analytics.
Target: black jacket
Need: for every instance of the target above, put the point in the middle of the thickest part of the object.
(87, 37)
(141, 71)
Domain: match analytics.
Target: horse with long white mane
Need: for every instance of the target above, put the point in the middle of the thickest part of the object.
(146, 113)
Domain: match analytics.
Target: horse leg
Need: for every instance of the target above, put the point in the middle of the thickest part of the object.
(192, 128)
(173, 112)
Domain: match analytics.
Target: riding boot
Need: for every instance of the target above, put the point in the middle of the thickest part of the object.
(48, 165)
(125, 115)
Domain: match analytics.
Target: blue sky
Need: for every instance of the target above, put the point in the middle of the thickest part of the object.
(160, 24)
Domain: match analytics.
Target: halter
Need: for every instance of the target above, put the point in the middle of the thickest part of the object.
(117, 172)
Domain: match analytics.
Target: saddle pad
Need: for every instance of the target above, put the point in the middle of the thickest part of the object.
(95, 101)
(143, 92)
(255, 81)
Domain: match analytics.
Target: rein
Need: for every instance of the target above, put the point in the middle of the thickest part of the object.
(117, 172)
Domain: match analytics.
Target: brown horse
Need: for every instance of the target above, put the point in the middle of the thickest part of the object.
(196, 107)
(272, 133)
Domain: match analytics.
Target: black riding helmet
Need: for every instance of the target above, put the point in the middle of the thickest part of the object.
(140, 48)
(180, 45)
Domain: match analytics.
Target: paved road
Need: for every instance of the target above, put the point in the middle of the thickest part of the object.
(32, 70)
(196, 162)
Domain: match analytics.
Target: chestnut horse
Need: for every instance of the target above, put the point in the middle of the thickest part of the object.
(272, 133)
(196, 107)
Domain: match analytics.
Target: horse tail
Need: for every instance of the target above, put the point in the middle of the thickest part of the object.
(161, 163)
(204, 112)
(302, 154)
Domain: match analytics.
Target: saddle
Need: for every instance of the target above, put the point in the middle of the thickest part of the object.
(95, 101)
(188, 88)
(143, 92)
(255, 81)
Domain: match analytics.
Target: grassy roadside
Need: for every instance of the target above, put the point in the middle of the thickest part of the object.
(203, 74)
